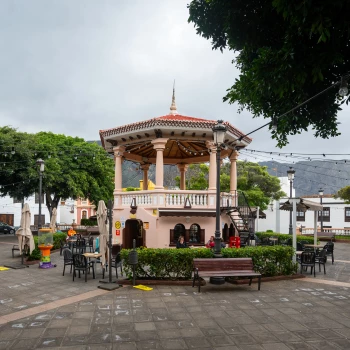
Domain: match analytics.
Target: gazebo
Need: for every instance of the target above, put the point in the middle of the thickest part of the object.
(155, 218)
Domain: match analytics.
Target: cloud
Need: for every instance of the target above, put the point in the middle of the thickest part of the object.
(75, 67)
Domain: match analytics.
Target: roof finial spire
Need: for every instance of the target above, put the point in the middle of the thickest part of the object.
(173, 109)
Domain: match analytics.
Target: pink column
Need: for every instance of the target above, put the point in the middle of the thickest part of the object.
(233, 173)
(145, 168)
(118, 158)
(159, 146)
(183, 168)
(212, 165)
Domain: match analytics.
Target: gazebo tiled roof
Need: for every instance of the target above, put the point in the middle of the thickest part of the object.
(187, 137)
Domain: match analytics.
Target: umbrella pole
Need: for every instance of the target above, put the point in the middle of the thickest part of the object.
(109, 285)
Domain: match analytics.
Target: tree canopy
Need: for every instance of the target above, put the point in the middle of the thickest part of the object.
(287, 52)
(73, 167)
(344, 193)
(254, 180)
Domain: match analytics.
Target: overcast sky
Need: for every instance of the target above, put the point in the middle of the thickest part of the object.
(75, 67)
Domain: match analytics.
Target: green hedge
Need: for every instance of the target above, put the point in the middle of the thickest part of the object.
(177, 263)
(88, 222)
(283, 237)
(57, 238)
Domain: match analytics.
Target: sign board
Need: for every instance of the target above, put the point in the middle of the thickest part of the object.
(117, 225)
(146, 225)
(117, 232)
(123, 224)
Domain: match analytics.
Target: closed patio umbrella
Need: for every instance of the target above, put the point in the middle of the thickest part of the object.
(53, 220)
(102, 226)
(24, 234)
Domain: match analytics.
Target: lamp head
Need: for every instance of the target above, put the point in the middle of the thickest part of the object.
(219, 131)
(320, 192)
(41, 164)
(290, 174)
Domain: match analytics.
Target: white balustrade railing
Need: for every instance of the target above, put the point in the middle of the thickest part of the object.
(338, 231)
(173, 198)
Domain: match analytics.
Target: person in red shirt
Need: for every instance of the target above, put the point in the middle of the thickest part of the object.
(211, 242)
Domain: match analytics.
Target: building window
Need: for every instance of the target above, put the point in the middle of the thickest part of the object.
(179, 230)
(84, 201)
(326, 214)
(300, 216)
(17, 200)
(37, 198)
(84, 214)
(195, 233)
(347, 214)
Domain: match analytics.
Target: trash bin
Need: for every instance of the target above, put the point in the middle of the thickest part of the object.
(235, 242)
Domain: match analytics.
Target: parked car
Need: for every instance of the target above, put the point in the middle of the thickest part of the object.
(5, 228)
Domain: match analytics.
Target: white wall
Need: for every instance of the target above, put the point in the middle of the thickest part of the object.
(8, 207)
(65, 210)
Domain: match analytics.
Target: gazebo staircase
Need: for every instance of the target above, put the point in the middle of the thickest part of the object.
(241, 216)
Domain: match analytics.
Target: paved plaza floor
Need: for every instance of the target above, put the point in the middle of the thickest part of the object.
(43, 309)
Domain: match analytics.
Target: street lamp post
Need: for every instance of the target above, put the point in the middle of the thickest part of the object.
(290, 174)
(41, 165)
(219, 131)
(320, 192)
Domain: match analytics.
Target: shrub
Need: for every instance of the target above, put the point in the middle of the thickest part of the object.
(177, 263)
(283, 237)
(88, 222)
(57, 238)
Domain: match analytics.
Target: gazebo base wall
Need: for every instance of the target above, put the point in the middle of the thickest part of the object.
(156, 230)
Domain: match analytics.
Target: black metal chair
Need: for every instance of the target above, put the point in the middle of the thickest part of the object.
(308, 259)
(80, 263)
(300, 246)
(79, 247)
(321, 259)
(116, 260)
(63, 245)
(330, 250)
(90, 244)
(67, 259)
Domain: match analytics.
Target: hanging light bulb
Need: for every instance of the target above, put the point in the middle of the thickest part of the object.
(49, 155)
(343, 90)
(13, 151)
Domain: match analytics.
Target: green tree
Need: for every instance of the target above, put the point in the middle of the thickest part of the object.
(73, 167)
(196, 177)
(254, 180)
(344, 193)
(287, 52)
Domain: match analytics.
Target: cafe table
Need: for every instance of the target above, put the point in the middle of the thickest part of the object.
(314, 245)
(92, 256)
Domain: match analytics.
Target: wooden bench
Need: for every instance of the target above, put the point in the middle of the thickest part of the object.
(224, 267)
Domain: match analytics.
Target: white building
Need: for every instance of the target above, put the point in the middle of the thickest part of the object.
(10, 211)
(336, 214)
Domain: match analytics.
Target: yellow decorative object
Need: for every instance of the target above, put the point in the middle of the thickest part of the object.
(3, 268)
(142, 287)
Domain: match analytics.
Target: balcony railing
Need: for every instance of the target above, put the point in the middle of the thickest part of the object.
(173, 199)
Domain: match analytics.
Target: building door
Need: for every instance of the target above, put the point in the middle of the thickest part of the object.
(133, 230)
(7, 219)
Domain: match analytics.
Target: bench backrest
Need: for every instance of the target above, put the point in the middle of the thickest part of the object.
(223, 264)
